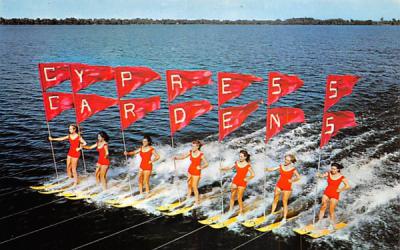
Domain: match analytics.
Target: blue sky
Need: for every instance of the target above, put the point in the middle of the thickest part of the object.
(197, 9)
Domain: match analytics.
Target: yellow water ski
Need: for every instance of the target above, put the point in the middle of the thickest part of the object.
(304, 230)
(180, 211)
(225, 223)
(170, 206)
(127, 202)
(324, 232)
(55, 191)
(210, 220)
(82, 196)
(254, 222)
(67, 194)
(273, 226)
(46, 186)
(117, 200)
(257, 221)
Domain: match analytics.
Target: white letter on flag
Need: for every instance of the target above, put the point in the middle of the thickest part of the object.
(176, 115)
(123, 78)
(80, 74)
(176, 79)
(130, 110)
(333, 89)
(275, 119)
(85, 104)
(226, 120)
(330, 125)
(46, 76)
(225, 85)
(276, 85)
(51, 103)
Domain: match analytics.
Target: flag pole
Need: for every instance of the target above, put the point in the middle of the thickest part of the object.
(316, 185)
(221, 179)
(126, 159)
(265, 181)
(124, 143)
(176, 184)
(52, 149)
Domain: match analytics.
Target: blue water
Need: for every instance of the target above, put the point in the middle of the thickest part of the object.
(311, 52)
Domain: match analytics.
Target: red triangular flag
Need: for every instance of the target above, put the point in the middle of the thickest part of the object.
(130, 78)
(135, 109)
(280, 85)
(231, 85)
(179, 81)
(83, 75)
(335, 121)
(277, 118)
(52, 74)
(88, 105)
(337, 87)
(55, 103)
(182, 114)
(231, 118)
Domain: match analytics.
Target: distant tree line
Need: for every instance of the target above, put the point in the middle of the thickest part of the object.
(114, 21)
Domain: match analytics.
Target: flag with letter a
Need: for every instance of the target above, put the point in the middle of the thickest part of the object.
(90, 104)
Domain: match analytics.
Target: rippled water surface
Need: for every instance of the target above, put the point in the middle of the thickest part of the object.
(369, 152)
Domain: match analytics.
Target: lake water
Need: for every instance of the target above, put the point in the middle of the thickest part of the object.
(369, 152)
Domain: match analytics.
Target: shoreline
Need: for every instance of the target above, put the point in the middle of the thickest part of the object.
(149, 21)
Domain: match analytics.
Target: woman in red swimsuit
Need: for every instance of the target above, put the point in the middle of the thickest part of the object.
(146, 151)
(76, 141)
(198, 163)
(332, 191)
(103, 162)
(240, 180)
(284, 184)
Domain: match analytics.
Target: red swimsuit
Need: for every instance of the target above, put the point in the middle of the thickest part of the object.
(146, 158)
(241, 173)
(333, 185)
(283, 182)
(74, 144)
(195, 162)
(102, 156)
